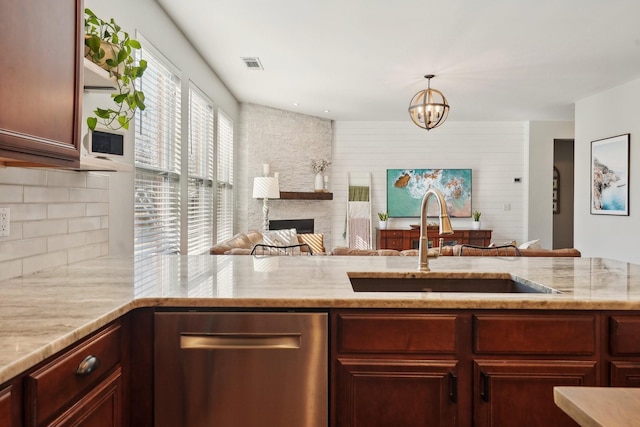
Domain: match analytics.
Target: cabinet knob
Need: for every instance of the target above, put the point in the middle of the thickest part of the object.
(88, 365)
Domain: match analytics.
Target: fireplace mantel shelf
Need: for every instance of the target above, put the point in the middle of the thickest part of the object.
(306, 195)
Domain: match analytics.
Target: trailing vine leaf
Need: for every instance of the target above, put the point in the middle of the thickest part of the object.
(121, 64)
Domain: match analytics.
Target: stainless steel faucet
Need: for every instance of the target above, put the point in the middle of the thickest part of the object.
(445, 226)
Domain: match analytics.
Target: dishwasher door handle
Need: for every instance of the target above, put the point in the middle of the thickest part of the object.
(239, 341)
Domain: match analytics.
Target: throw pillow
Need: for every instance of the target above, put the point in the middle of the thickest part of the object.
(280, 237)
(315, 241)
(531, 244)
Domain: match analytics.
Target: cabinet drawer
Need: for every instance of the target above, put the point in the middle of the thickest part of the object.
(393, 244)
(396, 333)
(624, 332)
(521, 334)
(478, 233)
(392, 233)
(56, 384)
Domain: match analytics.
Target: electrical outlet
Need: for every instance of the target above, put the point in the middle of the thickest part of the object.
(4, 222)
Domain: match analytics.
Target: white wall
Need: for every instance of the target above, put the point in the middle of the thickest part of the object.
(540, 177)
(495, 151)
(607, 114)
(146, 17)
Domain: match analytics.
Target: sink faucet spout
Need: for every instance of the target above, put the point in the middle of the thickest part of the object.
(445, 226)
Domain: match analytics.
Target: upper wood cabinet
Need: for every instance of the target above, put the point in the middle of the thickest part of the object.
(41, 81)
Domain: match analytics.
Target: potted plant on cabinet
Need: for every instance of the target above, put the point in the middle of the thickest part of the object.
(476, 220)
(107, 45)
(383, 217)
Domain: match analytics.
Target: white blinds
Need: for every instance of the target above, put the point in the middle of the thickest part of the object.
(224, 192)
(200, 184)
(157, 159)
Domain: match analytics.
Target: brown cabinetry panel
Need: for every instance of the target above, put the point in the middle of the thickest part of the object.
(625, 374)
(40, 109)
(56, 385)
(624, 335)
(9, 407)
(396, 333)
(404, 239)
(520, 393)
(101, 407)
(534, 335)
(408, 393)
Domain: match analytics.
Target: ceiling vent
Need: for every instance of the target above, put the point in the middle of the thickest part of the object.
(253, 63)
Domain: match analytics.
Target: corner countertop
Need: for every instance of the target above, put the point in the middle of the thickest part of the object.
(600, 406)
(41, 314)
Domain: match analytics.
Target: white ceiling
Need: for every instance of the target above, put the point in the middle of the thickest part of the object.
(365, 59)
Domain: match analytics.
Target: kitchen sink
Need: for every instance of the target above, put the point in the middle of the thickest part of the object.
(444, 282)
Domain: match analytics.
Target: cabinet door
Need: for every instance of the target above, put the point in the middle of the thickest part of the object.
(625, 374)
(8, 414)
(40, 76)
(520, 393)
(101, 407)
(389, 392)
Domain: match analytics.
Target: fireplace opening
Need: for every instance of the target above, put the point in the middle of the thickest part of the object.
(302, 226)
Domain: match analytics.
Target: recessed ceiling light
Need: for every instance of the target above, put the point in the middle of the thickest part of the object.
(327, 111)
(295, 104)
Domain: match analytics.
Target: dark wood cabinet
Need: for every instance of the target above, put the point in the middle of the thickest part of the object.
(40, 106)
(462, 368)
(403, 239)
(395, 369)
(80, 386)
(520, 392)
(396, 392)
(624, 350)
(10, 406)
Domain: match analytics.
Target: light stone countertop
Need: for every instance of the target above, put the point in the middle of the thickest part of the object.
(43, 313)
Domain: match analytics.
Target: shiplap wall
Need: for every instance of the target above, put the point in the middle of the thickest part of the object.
(495, 151)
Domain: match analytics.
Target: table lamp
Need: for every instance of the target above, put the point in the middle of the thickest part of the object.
(265, 187)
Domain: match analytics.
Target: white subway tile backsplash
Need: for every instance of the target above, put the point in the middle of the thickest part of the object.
(57, 217)
(66, 241)
(23, 176)
(66, 210)
(97, 209)
(46, 195)
(44, 228)
(84, 224)
(96, 180)
(89, 195)
(11, 193)
(66, 179)
(28, 212)
(22, 248)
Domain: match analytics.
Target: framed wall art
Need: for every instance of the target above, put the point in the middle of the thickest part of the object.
(406, 189)
(610, 176)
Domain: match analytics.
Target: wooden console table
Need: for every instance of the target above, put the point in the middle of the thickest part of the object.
(402, 239)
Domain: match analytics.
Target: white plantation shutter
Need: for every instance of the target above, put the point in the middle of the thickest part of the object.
(157, 159)
(224, 178)
(201, 164)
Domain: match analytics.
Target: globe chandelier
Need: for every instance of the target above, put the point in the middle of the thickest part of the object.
(428, 108)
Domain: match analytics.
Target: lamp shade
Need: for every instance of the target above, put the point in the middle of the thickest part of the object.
(266, 187)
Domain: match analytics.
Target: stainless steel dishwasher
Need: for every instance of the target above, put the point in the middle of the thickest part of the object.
(244, 369)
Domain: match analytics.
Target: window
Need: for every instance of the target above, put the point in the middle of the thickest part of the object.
(224, 193)
(157, 159)
(201, 176)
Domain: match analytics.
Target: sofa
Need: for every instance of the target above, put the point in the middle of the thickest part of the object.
(243, 243)
(452, 251)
